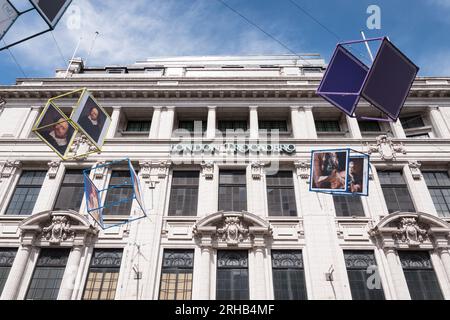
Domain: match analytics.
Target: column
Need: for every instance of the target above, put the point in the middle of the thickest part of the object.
(16, 273)
(353, 128)
(156, 119)
(259, 292)
(438, 122)
(310, 124)
(445, 258)
(31, 119)
(115, 117)
(204, 280)
(166, 124)
(254, 126)
(398, 278)
(298, 122)
(211, 124)
(397, 130)
(68, 281)
(50, 188)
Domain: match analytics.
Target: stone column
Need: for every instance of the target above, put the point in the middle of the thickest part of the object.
(438, 122)
(68, 281)
(14, 280)
(211, 124)
(50, 187)
(115, 117)
(204, 285)
(259, 292)
(166, 124)
(398, 278)
(156, 119)
(310, 124)
(254, 126)
(353, 127)
(445, 258)
(397, 130)
(32, 117)
(298, 122)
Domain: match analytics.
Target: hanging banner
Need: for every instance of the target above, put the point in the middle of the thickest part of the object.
(51, 10)
(8, 15)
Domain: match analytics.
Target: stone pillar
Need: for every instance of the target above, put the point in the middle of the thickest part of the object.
(397, 130)
(259, 292)
(203, 288)
(398, 278)
(14, 280)
(31, 119)
(156, 119)
(50, 187)
(310, 124)
(166, 124)
(254, 126)
(115, 117)
(211, 124)
(445, 258)
(353, 127)
(298, 122)
(438, 122)
(68, 281)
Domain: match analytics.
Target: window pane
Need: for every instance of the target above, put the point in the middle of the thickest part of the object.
(121, 190)
(184, 193)
(439, 186)
(6, 261)
(71, 192)
(280, 125)
(176, 275)
(281, 194)
(225, 125)
(369, 126)
(348, 206)
(232, 275)
(138, 126)
(232, 191)
(396, 192)
(288, 275)
(26, 193)
(412, 122)
(190, 125)
(327, 126)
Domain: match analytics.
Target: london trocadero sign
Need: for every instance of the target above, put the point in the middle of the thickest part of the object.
(234, 148)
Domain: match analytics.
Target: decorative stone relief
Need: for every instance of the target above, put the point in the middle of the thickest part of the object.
(303, 169)
(100, 171)
(233, 231)
(257, 169)
(414, 166)
(207, 169)
(58, 231)
(146, 167)
(163, 168)
(386, 148)
(410, 232)
(7, 168)
(80, 147)
(53, 168)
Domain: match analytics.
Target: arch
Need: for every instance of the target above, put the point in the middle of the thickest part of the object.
(212, 219)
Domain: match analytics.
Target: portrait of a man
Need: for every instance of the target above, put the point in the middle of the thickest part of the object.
(93, 202)
(358, 174)
(329, 170)
(58, 135)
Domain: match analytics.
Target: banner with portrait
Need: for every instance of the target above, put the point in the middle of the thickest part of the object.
(93, 200)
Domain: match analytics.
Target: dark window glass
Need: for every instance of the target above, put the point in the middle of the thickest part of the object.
(232, 191)
(327, 126)
(71, 192)
(6, 261)
(26, 193)
(288, 275)
(232, 275)
(121, 191)
(439, 185)
(269, 125)
(420, 276)
(184, 193)
(138, 126)
(395, 191)
(348, 206)
(361, 269)
(176, 275)
(103, 275)
(281, 195)
(412, 122)
(369, 126)
(48, 274)
(190, 125)
(225, 125)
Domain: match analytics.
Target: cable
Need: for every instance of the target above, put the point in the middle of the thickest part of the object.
(262, 30)
(15, 61)
(59, 49)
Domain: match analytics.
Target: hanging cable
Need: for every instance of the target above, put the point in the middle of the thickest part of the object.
(59, 49)
(16, 62)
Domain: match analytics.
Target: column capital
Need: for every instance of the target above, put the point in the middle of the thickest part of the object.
(308, 108)
(170, 108)
(36, 108)
(212, 107)
(253, 107)
(116, 107)
(157, 108)
(294, 108)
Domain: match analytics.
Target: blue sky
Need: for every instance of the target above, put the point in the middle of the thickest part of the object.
(137, 29)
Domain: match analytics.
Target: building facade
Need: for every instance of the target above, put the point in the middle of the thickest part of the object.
(222, 147)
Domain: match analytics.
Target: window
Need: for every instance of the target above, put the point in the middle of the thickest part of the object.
(197, 125)
(138, 126)
(327, 126)
(369, 126)
(71, 192)
(116, 70)
(395, 191)
(184, 193)
(176, 275)
(121, 191)
(271, 125)
(418, 136)
(281, 194)
(439, 186)
(288, 275)
(413, 122)
(6, 261)
(26, 193)
(103, 275)
(225, 125)
(361, 265)
(420, 276)
(348, 206)
(232, 275)
(48, 274)
(232, 191)
(415, 127)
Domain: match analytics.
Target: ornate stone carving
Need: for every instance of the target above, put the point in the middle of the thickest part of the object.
(163, 168)
(80, 147)
(257, 169)
(7, 168)
(53, 168)
(303, 169)
(146, 167)
(410, 232)
(386, 148)
(414, 166)
(100, 171)
(233, 231)
(58, 231)
(207, 169)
